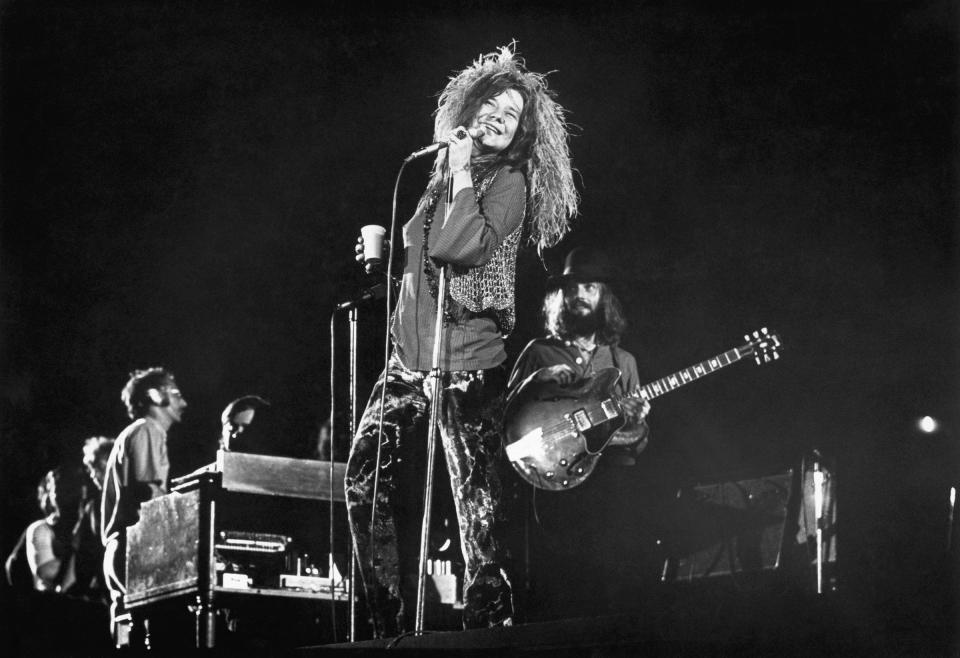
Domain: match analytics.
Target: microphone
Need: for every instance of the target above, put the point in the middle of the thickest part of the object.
(378, 291)
(436, 146)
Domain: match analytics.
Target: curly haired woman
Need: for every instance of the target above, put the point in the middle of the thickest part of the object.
(511, 175)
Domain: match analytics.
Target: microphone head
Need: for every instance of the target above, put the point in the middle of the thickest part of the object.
(473, 133)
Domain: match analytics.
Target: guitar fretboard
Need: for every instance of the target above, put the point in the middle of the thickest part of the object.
(683, 377)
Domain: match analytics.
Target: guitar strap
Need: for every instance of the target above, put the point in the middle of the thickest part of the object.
(589, 370)
(616, 364)
(613, 356)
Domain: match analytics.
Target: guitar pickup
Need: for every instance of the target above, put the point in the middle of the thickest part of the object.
(609, 409)
(581, 420)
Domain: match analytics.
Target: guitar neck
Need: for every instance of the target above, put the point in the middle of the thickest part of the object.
(683, 377)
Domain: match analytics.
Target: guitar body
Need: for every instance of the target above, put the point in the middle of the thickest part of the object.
(554, 434)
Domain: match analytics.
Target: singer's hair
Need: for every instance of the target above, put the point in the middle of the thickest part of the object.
(611, 321)
(539, 147)
(134, 394)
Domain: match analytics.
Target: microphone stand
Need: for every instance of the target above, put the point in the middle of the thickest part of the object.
(436, 383)
(353, 429)
(818, 511)
(333, 430)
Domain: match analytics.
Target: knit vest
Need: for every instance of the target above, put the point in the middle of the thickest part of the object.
(490, 287)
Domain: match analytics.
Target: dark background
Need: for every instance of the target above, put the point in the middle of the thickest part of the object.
(183, 184)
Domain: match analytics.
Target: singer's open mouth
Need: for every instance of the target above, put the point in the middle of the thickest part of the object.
(491, 128)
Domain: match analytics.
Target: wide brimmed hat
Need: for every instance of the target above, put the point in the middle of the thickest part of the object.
(585, 264)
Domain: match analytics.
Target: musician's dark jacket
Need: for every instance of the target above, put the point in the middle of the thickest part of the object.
(545, 352)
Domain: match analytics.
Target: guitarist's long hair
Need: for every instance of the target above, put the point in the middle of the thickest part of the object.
(612, 324)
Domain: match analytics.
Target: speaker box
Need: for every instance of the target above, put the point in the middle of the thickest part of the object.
(729, 528)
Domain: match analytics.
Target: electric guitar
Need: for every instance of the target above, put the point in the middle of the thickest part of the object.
(554, 435)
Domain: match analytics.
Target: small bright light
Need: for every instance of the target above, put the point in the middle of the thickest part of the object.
(928, 424)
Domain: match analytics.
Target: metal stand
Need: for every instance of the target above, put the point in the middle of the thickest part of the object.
(333, 434)
(353, 429)
(352, 317)
(206, 614)
(436, 383)
(818, 482)
(206, 624)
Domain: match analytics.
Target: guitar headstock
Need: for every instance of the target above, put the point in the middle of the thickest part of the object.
(764, 345)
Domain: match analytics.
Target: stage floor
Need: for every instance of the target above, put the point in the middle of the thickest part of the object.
(710, 620)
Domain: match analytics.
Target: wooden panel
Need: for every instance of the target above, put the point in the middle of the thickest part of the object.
(280, 476)
(162, 548)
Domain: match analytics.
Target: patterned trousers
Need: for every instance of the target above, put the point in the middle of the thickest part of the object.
(471, 402)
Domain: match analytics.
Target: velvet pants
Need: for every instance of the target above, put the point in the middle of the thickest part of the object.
(471, 402)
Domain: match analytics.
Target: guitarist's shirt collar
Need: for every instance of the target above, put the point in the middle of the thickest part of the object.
(586, 345)
(585, 353)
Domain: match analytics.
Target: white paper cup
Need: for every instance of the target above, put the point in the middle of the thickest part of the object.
(372, 235)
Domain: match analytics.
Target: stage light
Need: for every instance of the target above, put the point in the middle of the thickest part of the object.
(928, 425)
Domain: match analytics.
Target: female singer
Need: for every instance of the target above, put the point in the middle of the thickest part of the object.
(508, 161)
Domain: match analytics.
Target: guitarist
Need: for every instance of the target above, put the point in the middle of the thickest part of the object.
(585, 538)
(584, 322)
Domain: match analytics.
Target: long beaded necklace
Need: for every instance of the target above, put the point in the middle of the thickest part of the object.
(429, 269)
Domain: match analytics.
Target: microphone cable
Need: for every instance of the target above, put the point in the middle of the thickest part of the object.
(386, 360)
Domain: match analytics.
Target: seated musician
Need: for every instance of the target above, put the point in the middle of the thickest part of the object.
(239, 432)
(584, 322)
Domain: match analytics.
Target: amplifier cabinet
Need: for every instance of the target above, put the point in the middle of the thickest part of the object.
(730, 527)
